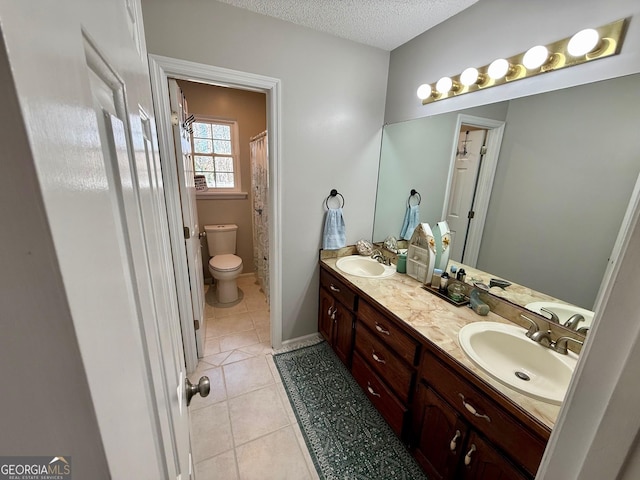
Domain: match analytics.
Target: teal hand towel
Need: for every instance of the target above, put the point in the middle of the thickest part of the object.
(411, 220)
(334, 235)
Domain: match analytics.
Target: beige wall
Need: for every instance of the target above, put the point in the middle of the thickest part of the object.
(250, 111)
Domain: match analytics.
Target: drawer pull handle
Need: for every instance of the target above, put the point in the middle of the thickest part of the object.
(334, 288)
(471, 409)
(372, 391)
(382, 329)
(467, 457)
(377, 358)
(454, 441)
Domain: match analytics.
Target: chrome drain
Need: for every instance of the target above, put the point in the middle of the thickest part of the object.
(523, 376)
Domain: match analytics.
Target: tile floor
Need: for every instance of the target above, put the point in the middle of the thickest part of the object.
(245, 429)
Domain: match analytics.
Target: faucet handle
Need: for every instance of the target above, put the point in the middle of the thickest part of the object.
(533, 328)
(560, 345)
(553, 317)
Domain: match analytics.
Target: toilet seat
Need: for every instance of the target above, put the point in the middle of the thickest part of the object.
(225, 263)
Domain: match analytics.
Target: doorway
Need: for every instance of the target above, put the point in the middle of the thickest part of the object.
(474, 159)
(163, 68)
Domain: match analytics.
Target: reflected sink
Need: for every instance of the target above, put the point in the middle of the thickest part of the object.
(505, 353)
(563, 311)
(365, 267)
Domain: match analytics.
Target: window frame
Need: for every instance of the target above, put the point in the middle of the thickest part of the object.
(225, 192)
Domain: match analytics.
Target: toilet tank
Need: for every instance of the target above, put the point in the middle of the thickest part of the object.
(221, 239)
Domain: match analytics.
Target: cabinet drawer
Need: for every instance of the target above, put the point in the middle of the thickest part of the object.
(382, 398)
(484, 414)
(391, 369)
(338, 289)
(385, 330)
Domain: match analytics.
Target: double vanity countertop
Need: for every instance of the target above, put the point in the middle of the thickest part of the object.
(439, 322)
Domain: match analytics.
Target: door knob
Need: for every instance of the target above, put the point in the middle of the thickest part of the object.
(203, 388)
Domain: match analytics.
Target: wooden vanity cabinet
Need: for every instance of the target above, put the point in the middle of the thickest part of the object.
(336, 319)
(384, 364)
(456, 425)
(495, 445)
(448, 448)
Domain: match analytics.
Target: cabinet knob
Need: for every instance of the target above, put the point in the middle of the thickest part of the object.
(454, 441)
(334, 288)
(467, 457)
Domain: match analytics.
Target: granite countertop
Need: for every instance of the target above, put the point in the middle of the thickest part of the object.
(439, 322)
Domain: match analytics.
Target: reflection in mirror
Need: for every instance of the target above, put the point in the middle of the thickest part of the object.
(565, 173)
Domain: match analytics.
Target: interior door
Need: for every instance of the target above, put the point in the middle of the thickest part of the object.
(140, 236)
(463, 186)
(186, 181)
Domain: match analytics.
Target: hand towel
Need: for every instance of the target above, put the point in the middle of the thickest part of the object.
(411, 220)
(334, 236)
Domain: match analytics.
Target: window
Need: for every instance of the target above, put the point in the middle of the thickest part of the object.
(215, 153)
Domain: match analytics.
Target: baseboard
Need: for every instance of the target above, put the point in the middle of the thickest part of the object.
(299, 342)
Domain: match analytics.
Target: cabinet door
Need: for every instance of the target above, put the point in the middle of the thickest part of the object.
(343, 333)
(326, 315)
(482, 462)
(438, 435)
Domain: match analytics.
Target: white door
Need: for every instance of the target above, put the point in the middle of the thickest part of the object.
(186, 182)
(83, 88)
(463, 186)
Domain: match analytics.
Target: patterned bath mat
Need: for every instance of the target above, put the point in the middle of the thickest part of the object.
(345, 434)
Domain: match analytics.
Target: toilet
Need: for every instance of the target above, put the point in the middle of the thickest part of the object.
(224, 265)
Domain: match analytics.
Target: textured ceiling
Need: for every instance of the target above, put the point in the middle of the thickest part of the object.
(385, 24)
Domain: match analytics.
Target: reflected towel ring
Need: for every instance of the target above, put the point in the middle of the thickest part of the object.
(413, 193)
(333, 193)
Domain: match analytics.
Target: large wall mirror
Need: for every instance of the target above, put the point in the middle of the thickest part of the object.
(566, 170)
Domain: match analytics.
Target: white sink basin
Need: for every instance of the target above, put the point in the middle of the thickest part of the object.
(364, 267)
(508, 355)
(563, 311)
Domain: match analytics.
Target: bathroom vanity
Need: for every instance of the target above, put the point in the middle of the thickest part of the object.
(400, 344)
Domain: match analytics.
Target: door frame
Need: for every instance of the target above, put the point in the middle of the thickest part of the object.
(161, 69)
(486, 175)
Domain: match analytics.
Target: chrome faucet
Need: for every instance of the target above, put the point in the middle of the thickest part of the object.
(543, 338)
(560, 345)
(377, 255)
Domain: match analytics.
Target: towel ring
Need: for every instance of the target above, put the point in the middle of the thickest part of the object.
(413, 193)
(333, 193)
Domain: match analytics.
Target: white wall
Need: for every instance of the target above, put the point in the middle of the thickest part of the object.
(492, 29)
(332, 110)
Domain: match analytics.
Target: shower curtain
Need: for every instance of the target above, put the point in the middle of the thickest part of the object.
(260, 199)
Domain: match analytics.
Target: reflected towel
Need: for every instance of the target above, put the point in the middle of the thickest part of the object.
(334, 236)
(411, 220)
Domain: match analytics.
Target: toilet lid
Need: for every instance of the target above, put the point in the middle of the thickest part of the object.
(225, 262)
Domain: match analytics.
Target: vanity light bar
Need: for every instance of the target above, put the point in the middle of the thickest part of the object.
(585, 46)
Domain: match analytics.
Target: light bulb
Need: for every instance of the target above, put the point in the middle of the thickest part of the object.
(535, 57)
(424, 91)
(498, 68)
(469, 76)
(583, 42)
(444, 85)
